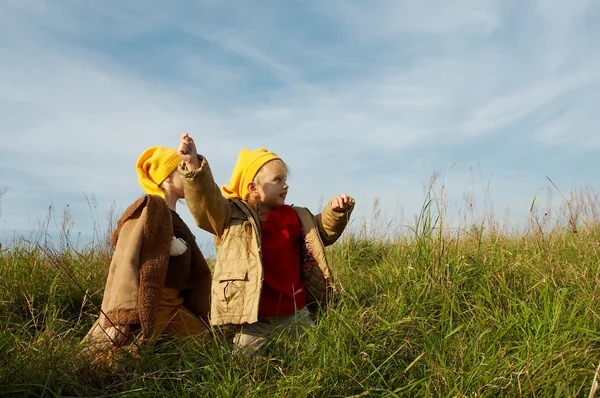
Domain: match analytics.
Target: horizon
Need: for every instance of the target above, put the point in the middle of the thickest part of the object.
(370, 99)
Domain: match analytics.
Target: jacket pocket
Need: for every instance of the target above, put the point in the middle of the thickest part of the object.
(230, 285)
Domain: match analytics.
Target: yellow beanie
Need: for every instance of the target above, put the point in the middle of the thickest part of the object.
(247, 165)
(154, 165)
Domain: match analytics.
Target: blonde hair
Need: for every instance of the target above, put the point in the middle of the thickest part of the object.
(252, 199)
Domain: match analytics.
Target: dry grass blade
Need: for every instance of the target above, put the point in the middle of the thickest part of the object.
(595, 383)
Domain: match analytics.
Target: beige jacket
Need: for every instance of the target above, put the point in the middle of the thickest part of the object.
(238, 275)
(138, 270)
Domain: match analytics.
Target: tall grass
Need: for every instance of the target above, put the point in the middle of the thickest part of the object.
(438, 308)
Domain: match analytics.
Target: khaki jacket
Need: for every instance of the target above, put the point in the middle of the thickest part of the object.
(138, 270)
(238, 275)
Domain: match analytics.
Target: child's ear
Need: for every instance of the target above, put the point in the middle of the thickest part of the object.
(252, 188)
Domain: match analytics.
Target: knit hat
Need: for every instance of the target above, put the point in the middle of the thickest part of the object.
(154, 165)
(247, 165)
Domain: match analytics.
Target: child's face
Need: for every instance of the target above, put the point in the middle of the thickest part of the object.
(178, 185)
(271, 185)
(175, 185)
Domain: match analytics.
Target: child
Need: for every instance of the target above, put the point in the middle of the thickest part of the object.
(271, 266)
(158, 280)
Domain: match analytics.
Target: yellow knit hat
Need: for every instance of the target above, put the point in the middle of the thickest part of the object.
(154, 165)
(247, 165)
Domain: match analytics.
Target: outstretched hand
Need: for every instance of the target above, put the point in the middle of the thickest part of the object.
(342, 204)
(187, 152)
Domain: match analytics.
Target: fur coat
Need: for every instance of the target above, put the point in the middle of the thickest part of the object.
(138, 271)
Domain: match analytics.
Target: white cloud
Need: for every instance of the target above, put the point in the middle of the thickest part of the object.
(400, 80)
(390, 19)
(566, 124)
(503, 111)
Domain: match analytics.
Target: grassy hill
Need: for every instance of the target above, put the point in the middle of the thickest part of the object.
(438, 311)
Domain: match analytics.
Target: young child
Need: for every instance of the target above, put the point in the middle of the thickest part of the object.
(271, 266)
(158, 280)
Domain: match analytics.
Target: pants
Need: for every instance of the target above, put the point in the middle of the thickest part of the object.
(173, 319)
(253, 337)
(106, 345)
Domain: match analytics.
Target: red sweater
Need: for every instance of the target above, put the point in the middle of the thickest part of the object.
(283, 292)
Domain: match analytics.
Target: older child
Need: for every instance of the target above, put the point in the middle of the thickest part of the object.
(158, 280)
(271, 266)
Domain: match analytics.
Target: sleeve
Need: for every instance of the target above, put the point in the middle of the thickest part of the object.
(204, 199)
(331, 224)
(154, 261)
(120, 300)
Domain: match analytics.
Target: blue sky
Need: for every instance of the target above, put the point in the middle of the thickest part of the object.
(368, 98)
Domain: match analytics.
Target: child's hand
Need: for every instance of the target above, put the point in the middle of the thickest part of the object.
(342, 204)
(118, 334)
(187, 152)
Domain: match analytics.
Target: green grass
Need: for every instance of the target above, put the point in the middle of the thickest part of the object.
(434, 311)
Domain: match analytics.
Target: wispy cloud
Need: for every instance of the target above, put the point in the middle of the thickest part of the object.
(354, 95)
(392, 19)
(506, 110)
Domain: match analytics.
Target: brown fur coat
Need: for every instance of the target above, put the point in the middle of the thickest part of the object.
(138, 270)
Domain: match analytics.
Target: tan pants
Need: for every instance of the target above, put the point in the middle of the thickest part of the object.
(173, 319)
(253, 337)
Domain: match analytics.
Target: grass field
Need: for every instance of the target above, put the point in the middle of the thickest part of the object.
(469, 310)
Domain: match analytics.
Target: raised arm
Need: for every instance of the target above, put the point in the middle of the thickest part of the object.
(202, 195)
(333, 219)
